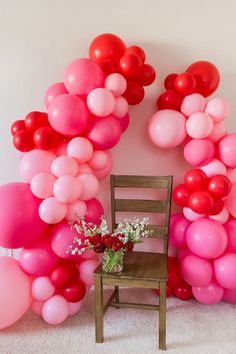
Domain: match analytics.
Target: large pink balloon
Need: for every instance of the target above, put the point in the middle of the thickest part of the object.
(19, 219)
(230, 296)
(196, 271)
(94, 211)
(55, 310)
(198, 152)
(53, 91)
(83, 75)
(15, 295)
(230, 201)
(225, 270)
(167, 128)
(178, 232)
(230, 228)
(227, 150)
(68, 115)
(206, 238)
(208, 295)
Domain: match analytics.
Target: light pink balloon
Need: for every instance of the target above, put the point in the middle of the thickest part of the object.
(208, 295)
(218, 132)
(101, 102)
(42, 288)
(196, 271)
(15, 295)
(191, 215)
(116, 83)
(99, 160)
(192, 104)
(199, 125)
(230, 201)
(167, 128)
(231, 174)
(230, 296)
(230, 227)
(89, 184)
(224, 268)
(218, 109)
(67, 189)
(37, 306)
(41, 185)
(178, 232)
(124, 122)
(34, 162)
(83, 75)
(198, 152)
(76, 210)
(64, 165)
(74, 307)
(100, 174)
(226, 149)
(85, 168)
(81, 149)
(94, 211)
(121, 107)
(86, 269)
(68, 115)
(221, 217)
(215, 167)
(55, 310)
(53, 91)
(38, 259)
(52, 211)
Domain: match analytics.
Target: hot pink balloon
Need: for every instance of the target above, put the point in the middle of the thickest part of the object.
(224, 268)
(99, 160)
(94, 211)
(198, 152)
(64, 165)
(218, 109)
(80, 149)
(53, 91)
(196, 271)
(76, 210)
(218, 132)
(124, 122)
(86, 269)
(178, 232)
(101, 102)
(230, 228)
(52, 211)
(183, 253)
(89, 184)
(215, 167)
(55, 310)
(42, 288)
(116, 83)
(192, 104)
(41, 185)
(67, 189)
(209, 295)
(37, 306)
(121, 107)
(227, 150)
(230, 296)
(230, 201)
(199, 125)
(74, 307)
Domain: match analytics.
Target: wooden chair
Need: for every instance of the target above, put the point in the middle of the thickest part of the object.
(141, 269)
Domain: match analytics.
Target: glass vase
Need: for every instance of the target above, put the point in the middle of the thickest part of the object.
(112, 262)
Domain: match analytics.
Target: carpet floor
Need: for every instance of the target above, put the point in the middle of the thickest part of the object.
(191, 328)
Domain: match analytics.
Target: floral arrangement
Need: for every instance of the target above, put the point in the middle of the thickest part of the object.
(112, 245)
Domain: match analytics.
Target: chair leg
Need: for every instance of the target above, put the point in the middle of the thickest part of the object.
(117, 297)
(99, 309)
(162, 316)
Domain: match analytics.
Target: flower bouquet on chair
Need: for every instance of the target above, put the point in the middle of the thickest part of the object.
(112, 245)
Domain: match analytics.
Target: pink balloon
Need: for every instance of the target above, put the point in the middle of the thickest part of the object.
(94, 211)
(101, 102)
(64, 165)
(178, 232)
(183, 253)
(41, 185)
(74, 307)
(206, 238)
(100, 174)
(199, 125)
(196, 271)
(174, 217)
(227, 150)
(19, 219)
(55, 310)
(209, 295)
(81, 149)
(231, 174)
(53, 91)
(218, 132)
(121, 107)
(218, 109)
(192, 104)
(215, 167)
(85, 168)
(83, 75)
(167, 128)
(221, 217)
(230, 228)
(68, 115)
(90, 186)
(224, 268)
(38, 259)
(42, 288)
(99, 160)
(15, 296)
(67, 189)
(230, 296)
(198, 152)
(104, 133)
(191, 215)
(230, 201)
(37, 306)
(52, 211)
(34, 162)
(124, 122)
(86, 269)
(76, 210)
(116, 83)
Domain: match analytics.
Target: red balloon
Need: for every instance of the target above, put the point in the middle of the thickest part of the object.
(35, 120)
(109, 67)
(181, 195)
(207, 77)
(195, 179)
(219, 186)
(105, 47)
(183, 292)
(174, 276)
(17, 126)
(169, 82)
(134, 93)
(217, 206)
(63, 273)
(169, 100)
(130, 65)
(185, 84)
(169, 290)
(23, 141)
(147, 75)
(134, 49)
(75, 291)
(46, 138)
(201, 202)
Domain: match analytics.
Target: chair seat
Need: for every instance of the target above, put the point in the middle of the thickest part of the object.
(140, 266)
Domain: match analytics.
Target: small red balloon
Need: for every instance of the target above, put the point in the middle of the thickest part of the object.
(17, 126)
(183, 292)
(169, 290)
(23, 141)
(169, 100)
(147, 75)
(134, 93)
(219, 186)
(185, 84)
(46, 138)
(195, 179)
(63, 273)
(109, 67)
(169, 82)
(75, 291)
(35, 120)
(217, 207)
(181, 195)
(135, 49)
(130, 65)
(200, 202)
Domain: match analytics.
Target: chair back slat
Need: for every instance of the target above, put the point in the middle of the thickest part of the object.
(140, 181)
(140, 205)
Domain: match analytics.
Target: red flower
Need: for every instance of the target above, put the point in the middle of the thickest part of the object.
(129, 246)
(99, 247)
(94, 239)
(117, 244)
(107, 240)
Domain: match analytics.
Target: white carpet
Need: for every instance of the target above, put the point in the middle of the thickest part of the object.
(191, 328)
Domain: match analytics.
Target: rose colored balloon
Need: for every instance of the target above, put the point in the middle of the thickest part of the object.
(104, 133)
(192, 104)
(227, 150)
(85, 168)
(53, 91)
(76, 210)
(230, 201)
(116, 83)
(183, 253)
(121, 107)
(15, 295)
(55, 310)
(64, 273)
(42, 288)
(64, 165)
(224, 268)
(101, 102)
(217, 207)
(83, 75)
(34, 162)
(52, 211)
(218, 109)
(86, 269)
(89, 184)
(124, 122)
(100, 174)
(221, 217)
(218, 132)
(41, 185)
(80, 149)
(38, 259)
(196, 271)
(198, 152)
(191, 215)
(201, 202)
(74, 307)
(230, 228)
(230, 296)
(68, 115)
(37, 306)
(208, 295)
(94, 211)
(75, 291)
(20, 222)
(213, 168)
(206, 238)
(67, 189)
(231, 174)
(178, 232)
(167, 128)
(199, 125)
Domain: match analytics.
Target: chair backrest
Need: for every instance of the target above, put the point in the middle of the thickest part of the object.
(160, 206)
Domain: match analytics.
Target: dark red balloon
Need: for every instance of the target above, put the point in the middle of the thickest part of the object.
(35, 120)
(169, 290)
(217, 207)
(75, 291)
(201, 202)
(135, 49)
(185, 84)
(181, 195)
(169, 82)
(195, 179)
(174, 276)
(219, 186)
(109, 67)
(169, 100)
(17, 126)
(46, 138)
(147, 75)
(23, 141)
(183, 292)
(130, 65)
(207, 77)
(63, 273)
(134, 92)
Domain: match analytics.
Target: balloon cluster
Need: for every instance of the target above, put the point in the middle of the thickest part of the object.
(64, 154)
(205, 231)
